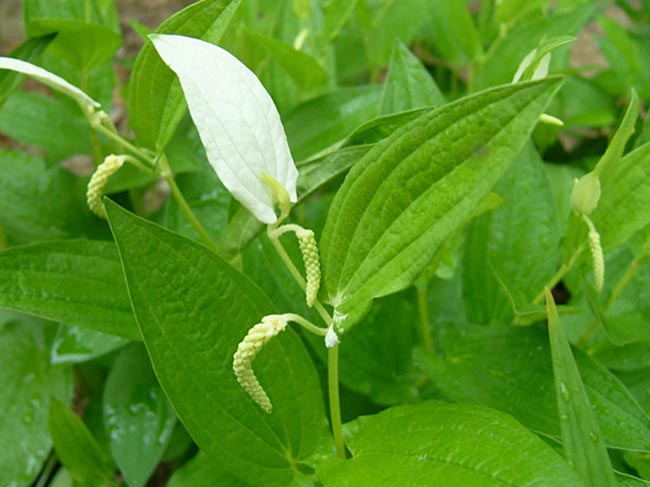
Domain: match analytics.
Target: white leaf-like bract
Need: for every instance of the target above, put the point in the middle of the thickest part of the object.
(50, 79)
(237, 121)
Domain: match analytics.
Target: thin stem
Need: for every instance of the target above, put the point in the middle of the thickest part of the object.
(117, 138)
(566, 267)
(295, 273)
(624, 281)
(138, 164)
(182, 202)
(47, 470)
(308, 325)
(335, 403)
(423, 311)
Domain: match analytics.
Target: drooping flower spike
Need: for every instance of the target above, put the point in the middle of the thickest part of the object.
(237, 121)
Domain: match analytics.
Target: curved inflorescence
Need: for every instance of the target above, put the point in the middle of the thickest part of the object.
(98, 182)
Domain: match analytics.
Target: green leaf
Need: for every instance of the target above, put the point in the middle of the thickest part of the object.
(616, 147)
(156, 103)
(99, 12)
(76, 447)
(78, 282)
(509, 368)
(410, 191)
(193, 309)
(511, 252)
(509, 10)
(454, 32)
(435, 443)
(625, 197)
(335, 13)
(138, 419)
(321, 122)
(39, 121)
(74, 345)
(408, 84)
(27, 381)
(584, 446)
(381, 127)
(83, 45)
(202, 471)
(303, 69)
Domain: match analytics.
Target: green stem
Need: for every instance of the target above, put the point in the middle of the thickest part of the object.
(306, 324)
(182, 202)
(295, 273)
(335, 403)
(423, 311)
(117, 138)
(566, 267)
(47, 470)
(624, 281)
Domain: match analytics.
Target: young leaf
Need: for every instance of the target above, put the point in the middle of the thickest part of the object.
(156, 104)
(584, 446)
(408, 84)
(78, 282)
(137, 416)
(238, 122)
(407, 194)
(435, 443)
(193, 309)
(27, 382)
(76, 447)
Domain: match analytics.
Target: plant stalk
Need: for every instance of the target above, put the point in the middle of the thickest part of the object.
(335, 403)
(423, 312)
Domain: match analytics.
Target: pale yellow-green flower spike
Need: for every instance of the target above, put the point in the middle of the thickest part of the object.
(248, 349)
(98, 182)
(309, 251)
(597, 256)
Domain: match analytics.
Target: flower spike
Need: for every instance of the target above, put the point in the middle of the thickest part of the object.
(248, 349)
(98, 182)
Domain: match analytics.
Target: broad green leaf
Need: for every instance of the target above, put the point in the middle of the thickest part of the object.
(436, 443)
(39, 121)
(303, 69)
(625, 198)
(27, 382)
(193, 309)
(410, 191)
(408, 84)
(583, 442)
(508, 11)
(321, 122)
(630, 357)
(509, 368)
(202, 471)
(454, 33)
(50, 79)
(82, 44)
(137, 416)
(238, 123)
(76, 447)
(511, 252)
(30, 51)
(39, 204)
(156, 103)
(78, 282)
(73, 344)
(101, 12)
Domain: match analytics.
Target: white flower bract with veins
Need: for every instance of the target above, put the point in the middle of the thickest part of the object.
(238, 122)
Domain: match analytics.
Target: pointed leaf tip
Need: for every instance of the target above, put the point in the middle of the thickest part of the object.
(237, 121)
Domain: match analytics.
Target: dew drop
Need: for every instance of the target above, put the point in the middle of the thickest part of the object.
(594, 437)
(565, 392)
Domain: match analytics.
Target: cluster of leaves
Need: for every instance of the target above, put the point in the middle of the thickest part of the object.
(442, 209)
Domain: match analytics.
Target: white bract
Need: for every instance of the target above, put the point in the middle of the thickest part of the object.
(52, 80)
(237, 121)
